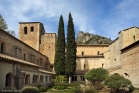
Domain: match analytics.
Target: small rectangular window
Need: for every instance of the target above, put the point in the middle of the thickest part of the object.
(25, 30)
(82, 53)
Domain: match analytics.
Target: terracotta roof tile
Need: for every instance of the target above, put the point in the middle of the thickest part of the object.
(45, 71)
(2, 56)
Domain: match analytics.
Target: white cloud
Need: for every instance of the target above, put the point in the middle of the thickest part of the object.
(48, 10)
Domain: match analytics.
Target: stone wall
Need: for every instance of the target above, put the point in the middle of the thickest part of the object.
(16, 48)
(130, 64)
(83, 49)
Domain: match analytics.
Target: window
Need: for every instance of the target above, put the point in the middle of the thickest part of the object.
(98, 53)
(46, 77)
(32, 29)
(2, 47)
(24, 56)
(27, 79)
(102, 65)
(34, 78)
(134, 38)
(41, 62)
(82, 53)
(84, 66)
(41, 79)
(74, 78)
(25, 30)
(18, 53)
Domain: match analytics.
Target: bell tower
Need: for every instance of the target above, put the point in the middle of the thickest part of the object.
(30, 33)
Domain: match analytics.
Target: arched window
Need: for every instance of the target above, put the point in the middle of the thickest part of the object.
(2, 47)
(25, 30)
(27, 79)
(8, 80)
(37, 79)
(32, 29)
(34, 78)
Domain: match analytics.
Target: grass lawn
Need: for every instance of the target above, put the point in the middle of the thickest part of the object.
(52, 90)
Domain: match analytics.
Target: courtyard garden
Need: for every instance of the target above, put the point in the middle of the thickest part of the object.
(98, 81)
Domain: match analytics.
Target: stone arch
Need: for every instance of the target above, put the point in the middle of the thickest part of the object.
(27, 79)
(34, 78)
(8, 80)
(37, 79)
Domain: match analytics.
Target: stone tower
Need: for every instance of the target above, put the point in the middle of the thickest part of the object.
(30, 33)
(47, 46)
(33, 34)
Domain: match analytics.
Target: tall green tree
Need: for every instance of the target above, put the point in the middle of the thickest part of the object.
(59, 62)
(3, 24)
(70, 66)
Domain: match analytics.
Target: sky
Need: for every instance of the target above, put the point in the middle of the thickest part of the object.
(99, 17)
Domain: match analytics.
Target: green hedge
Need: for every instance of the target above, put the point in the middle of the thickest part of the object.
(67, 84)
(30, 89)
(9, 89)
(60, 87)
(42, 89)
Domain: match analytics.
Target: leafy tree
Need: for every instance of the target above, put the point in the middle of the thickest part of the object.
(70, 65)
(3, 24)
(59, 62)
(116, 81)
(96, 76)
(11, 32)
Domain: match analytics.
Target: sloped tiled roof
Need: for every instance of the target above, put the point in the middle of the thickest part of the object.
(5, 57)
(45, 71)
(90, 56)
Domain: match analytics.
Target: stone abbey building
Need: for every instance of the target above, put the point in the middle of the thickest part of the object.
(29, 60)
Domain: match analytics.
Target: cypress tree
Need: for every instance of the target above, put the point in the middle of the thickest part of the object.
(59, 62)
(70, 65)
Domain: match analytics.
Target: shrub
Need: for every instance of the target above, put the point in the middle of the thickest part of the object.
(116, 81)
(96, 76)
(67, 84)
(9, 89)
(90, 91)
(60, 87)
(42, 89)
(131, 88)
(77, 89)
(59, 79)
(30, 89)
